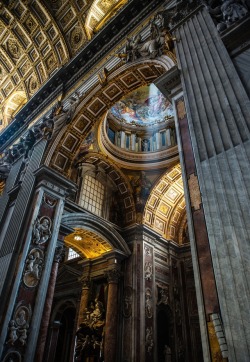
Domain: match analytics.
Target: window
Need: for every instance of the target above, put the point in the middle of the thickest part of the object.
(72, 254)
(127, 141)
(92, 196)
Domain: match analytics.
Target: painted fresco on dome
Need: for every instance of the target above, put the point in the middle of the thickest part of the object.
(145, 106)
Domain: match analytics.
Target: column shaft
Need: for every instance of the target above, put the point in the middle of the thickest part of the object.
(111, 324)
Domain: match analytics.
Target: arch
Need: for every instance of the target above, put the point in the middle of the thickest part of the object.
(119, 179)
(165, 211)
(99, 13)
(12, 106)
(103, 230)
(97, 101)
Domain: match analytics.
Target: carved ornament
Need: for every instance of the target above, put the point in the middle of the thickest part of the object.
(149, 341)
(194, 191)
(41, 230)
(148, 303)
(19, 325)
(113, 275)
(33, 267)
(127, 302)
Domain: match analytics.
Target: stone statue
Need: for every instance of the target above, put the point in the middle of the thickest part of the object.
(12, 332)
(228, 12)
(232, 11)
(89, 337)
(61, 117)
(160, 40)
(5, 164)
(41, 230)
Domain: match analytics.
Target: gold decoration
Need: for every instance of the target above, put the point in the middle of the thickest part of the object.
(99, 13)
(88, 243)
(194, 191)
(181, 110)
(13, 48)
(2, 184)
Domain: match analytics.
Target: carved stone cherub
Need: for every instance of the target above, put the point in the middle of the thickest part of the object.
(41, 230)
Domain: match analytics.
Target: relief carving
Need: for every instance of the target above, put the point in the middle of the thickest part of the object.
(42, 230)
(12, 356)
(19, 325)
(33, 268)
(127, 302)
(148, 303)
(149, 339)
(163, 296)
(147, 250)
(148, 270)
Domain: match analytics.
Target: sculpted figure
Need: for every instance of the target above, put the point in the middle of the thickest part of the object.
(33, 269)
(41, 230)
(13, 332)
(232, 11)
(149, 339)
(61, 117)
(228, 11)
(5, 164)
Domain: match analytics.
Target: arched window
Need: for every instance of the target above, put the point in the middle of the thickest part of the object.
(92, 195)
(96, 190)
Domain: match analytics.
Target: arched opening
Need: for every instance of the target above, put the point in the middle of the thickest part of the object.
(61, 336)
(66, 335)
(165, 336)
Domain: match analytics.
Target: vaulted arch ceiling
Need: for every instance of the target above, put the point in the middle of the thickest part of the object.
(37, 37)
(165, 211)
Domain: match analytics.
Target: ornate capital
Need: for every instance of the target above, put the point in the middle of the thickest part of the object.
(113, 275)
(85, 282)
(59, 254)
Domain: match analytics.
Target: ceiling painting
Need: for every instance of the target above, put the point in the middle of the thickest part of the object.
(144, 106)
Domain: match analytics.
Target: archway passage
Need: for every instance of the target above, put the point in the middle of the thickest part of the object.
(66, 335)
(165, 342)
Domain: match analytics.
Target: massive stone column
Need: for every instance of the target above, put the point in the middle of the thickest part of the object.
(32, 274)
(85, 292)
(59, 256)
(218, 116)
(110, 338)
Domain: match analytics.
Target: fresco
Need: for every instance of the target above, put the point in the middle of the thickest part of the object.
(144, 106)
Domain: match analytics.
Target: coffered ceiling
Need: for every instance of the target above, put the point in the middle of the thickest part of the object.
(37, 37)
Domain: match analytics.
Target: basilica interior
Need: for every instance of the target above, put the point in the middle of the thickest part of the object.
(124, 183)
